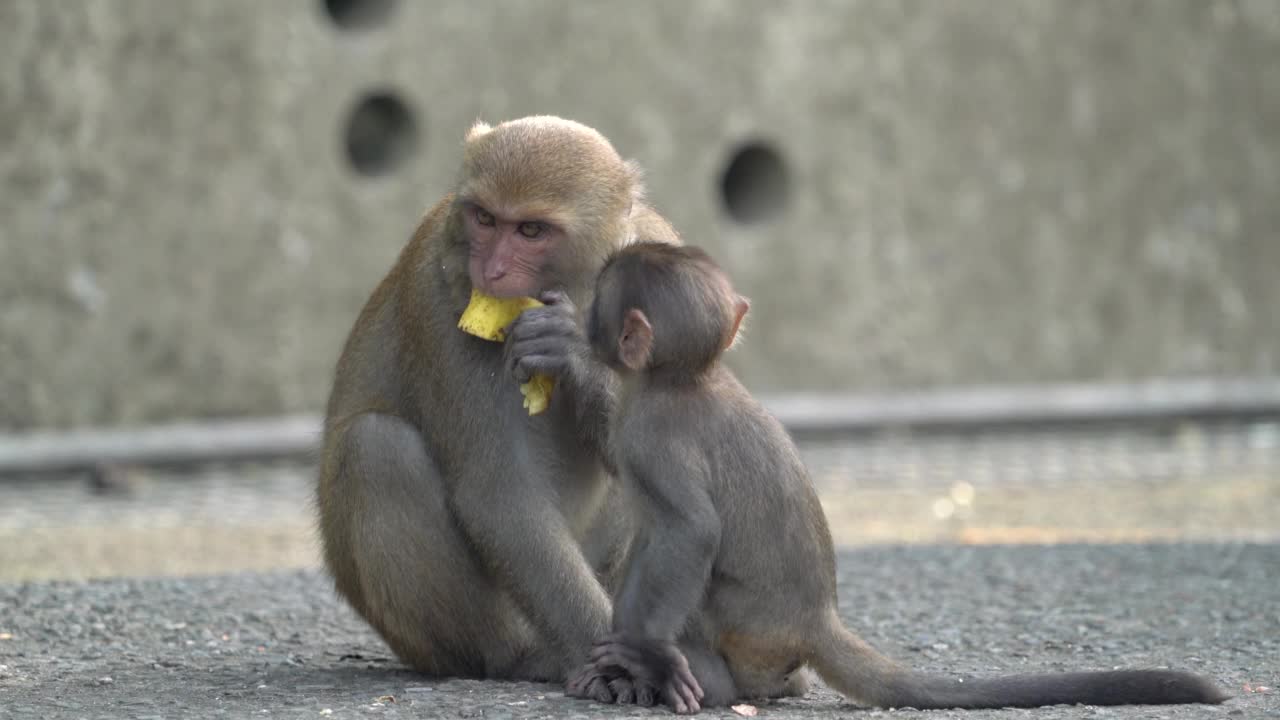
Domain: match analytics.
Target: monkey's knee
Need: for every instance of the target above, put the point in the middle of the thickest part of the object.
(405, 565)
(390, 455)
(372, 464)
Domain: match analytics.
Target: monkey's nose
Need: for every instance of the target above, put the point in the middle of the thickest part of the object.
(495, 271)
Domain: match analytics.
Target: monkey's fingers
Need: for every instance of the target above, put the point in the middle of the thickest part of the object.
(622, 656)
(646, 694)
(624, 691)
(556, 297)
(598, 690)
(541, 322)
(518, 350)
(614, 661)
(682, 697)
(683, 675)
(538, 345)
(681, 690)
(530, 365)
(577, 684)
(554, 320)
(614, 644)
(591, 684)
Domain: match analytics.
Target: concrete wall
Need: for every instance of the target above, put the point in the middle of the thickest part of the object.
(972, 192)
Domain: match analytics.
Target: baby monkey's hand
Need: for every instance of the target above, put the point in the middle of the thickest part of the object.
(651, 665)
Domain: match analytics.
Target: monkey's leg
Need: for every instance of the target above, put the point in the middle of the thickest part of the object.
(397, 555)
(718, 687)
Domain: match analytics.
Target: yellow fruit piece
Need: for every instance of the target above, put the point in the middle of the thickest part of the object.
(537, 393)
(487, 317)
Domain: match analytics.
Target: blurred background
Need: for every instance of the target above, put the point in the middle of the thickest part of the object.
(1013, 263)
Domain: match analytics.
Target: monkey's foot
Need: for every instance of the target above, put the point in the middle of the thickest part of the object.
(611, 685)
(653, 665)
(629, 691)
(593, 683)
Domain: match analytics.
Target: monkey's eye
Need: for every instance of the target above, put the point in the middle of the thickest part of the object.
(530, 230)
(484, 217)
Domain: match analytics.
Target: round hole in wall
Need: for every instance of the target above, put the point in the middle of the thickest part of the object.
(754, 184)
(357, 14)
(381, 134)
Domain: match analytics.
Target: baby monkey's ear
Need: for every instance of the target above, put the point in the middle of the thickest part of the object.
(635, 344)
(740, 308)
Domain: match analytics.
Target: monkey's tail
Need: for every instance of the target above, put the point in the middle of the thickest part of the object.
(862, 674)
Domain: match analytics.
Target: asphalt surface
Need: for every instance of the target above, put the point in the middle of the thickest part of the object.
(280, 644)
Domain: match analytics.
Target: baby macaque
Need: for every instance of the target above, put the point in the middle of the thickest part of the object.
(730, 587)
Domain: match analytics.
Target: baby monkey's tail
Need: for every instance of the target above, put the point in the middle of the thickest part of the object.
(855, 669)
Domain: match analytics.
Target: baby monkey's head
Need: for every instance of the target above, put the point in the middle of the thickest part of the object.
(663, 308)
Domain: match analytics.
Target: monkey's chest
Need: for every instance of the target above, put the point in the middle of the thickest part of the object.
(573, 472)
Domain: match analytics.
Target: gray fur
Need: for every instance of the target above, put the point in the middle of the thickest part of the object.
(733, 561)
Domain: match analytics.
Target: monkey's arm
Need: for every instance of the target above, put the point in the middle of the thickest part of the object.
(595, 391)
(516, 526)
(550, 340)
(668, 574)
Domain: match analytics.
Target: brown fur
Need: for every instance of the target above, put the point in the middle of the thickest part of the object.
(477, 540)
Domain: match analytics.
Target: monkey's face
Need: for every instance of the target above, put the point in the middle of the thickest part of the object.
(543, 201)
(510, 251)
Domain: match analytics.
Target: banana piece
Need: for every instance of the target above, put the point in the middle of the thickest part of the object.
(487, 317)
(537, 393)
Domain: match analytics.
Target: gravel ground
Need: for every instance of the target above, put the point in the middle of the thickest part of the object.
(281, 645)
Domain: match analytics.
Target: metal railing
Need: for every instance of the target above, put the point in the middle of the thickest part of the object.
(299, 435)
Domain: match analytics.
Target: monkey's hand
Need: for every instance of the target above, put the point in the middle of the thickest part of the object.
(653, 664)
(546, 340)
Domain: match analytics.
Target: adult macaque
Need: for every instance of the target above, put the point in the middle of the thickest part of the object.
(730, 589)
(477, 540)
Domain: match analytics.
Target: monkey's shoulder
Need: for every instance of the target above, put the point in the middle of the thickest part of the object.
(710, 419)
(658, 418)
(678, 411)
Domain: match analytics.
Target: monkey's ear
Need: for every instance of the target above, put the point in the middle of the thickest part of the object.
(635, 344)
(740, 308)
(477, 130)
